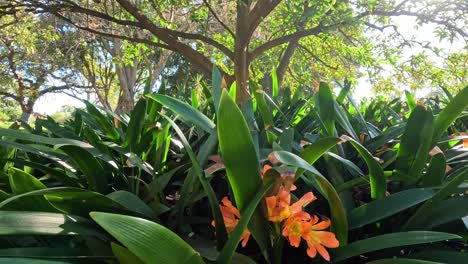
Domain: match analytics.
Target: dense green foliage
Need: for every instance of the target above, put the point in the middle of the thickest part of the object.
(144, 187)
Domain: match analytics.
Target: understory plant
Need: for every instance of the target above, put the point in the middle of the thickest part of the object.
(279, 179)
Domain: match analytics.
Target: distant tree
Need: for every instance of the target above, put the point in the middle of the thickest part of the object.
(30, 62)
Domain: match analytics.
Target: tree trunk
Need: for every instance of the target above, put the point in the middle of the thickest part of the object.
(27, 109)
(127, 80)
(241, 54)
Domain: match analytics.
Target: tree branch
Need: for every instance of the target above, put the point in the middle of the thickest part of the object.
(218, 19)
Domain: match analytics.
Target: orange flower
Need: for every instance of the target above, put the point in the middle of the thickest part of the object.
(231, 218)
(279, 206)
(295, 227)
(318, 240)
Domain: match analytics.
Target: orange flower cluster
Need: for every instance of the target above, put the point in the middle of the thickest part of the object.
(297, 225)
(231, 216)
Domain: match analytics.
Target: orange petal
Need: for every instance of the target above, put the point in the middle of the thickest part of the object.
(328, 239)
(305, 200)
(265, 169)
(311, 251)
(295, 241)
(323, 252)
(245, 238)
(322, 225)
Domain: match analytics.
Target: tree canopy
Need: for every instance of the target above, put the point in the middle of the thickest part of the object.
(296, 40)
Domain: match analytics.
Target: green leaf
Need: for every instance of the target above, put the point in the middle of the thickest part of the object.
(149, 241)
(402, 261)
(40, 223)
(22, 182)
(326, 108)
(104, 122)
(135, 126)
(241, 162)
(30, 261)
(387, 206)
(234, 238)
(194, 99)
(378, 183)
(233, 91)
(343, 121)
(443, 256)
(446, 211)
(186, 111)
(238, 152)
(216, 80)
(436, 172)
(410, 100)
(451, 187)
(274, 84)
(313, 152)
(389, 241)
(338, 213)
(197, 169)
(132, 203)
(90, 166)
(124, 256)
(450, 113)
(265, 112)
(415, 144)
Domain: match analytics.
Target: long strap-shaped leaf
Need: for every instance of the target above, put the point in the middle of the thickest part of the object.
(419, 216)
(221, 234)
(338, 214)
(415, 144)
(149, 241)
(378, 182)
(447, 116)
(186, 111)
(241, 162)
(229, 249)
(313, 152)
(389, 241)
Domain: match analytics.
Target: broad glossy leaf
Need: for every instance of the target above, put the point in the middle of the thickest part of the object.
(22, 182)
(186, 111)
(389, 241)
(39, 223)
(149, 241)
(241, 162)
(124, 256)
(387, 206)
